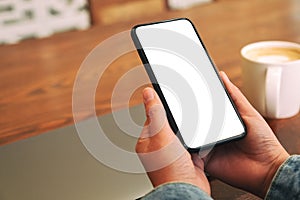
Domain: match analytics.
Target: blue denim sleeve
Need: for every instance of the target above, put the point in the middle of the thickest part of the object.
(286, 182)
(177, 191)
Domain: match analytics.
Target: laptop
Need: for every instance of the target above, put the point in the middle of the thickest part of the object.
(59, 165)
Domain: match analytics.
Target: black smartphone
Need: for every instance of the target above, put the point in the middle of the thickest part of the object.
(199, 109)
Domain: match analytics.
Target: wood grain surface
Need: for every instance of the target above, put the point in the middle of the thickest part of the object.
(37, 76)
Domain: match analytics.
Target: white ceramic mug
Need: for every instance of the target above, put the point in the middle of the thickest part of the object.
(271, 77)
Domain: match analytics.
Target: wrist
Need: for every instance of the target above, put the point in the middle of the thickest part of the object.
(272, 172)
(195, 178)
(182, 170)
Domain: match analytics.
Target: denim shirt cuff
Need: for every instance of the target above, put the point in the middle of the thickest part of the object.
(286, 182)
(177, 190)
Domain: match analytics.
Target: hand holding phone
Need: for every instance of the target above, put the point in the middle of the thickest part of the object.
(249, 164)
(199, 109)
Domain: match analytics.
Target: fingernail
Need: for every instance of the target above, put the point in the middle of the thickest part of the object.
(224, 74)
(148, 95)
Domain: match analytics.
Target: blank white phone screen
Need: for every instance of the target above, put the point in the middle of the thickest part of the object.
(185, 74)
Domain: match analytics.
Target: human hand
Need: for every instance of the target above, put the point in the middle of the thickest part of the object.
(252, 162)
(163, 156)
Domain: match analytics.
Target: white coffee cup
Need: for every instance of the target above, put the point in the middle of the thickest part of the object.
(271, 77)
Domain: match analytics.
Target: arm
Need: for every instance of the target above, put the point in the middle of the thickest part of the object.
(177, 191)
(286, 182)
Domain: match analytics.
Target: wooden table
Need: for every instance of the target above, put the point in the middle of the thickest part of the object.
(37, 76)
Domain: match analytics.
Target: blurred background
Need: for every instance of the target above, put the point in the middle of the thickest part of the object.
(43, 43)
(23, 19)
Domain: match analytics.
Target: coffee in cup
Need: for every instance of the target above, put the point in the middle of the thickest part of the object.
(273, 54)
(271, 77)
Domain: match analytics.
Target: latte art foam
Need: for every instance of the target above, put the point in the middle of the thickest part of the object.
(274, 54)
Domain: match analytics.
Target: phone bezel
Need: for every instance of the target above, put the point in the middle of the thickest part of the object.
(157, 88)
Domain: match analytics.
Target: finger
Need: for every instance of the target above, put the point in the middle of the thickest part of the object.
(156, 132)
(155, 113)
(157, 147)
(198, 161)
(243, 105)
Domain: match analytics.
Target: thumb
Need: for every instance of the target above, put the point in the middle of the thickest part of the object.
(158, 146)
(156, 132)
(243, 105)
(155, 113)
